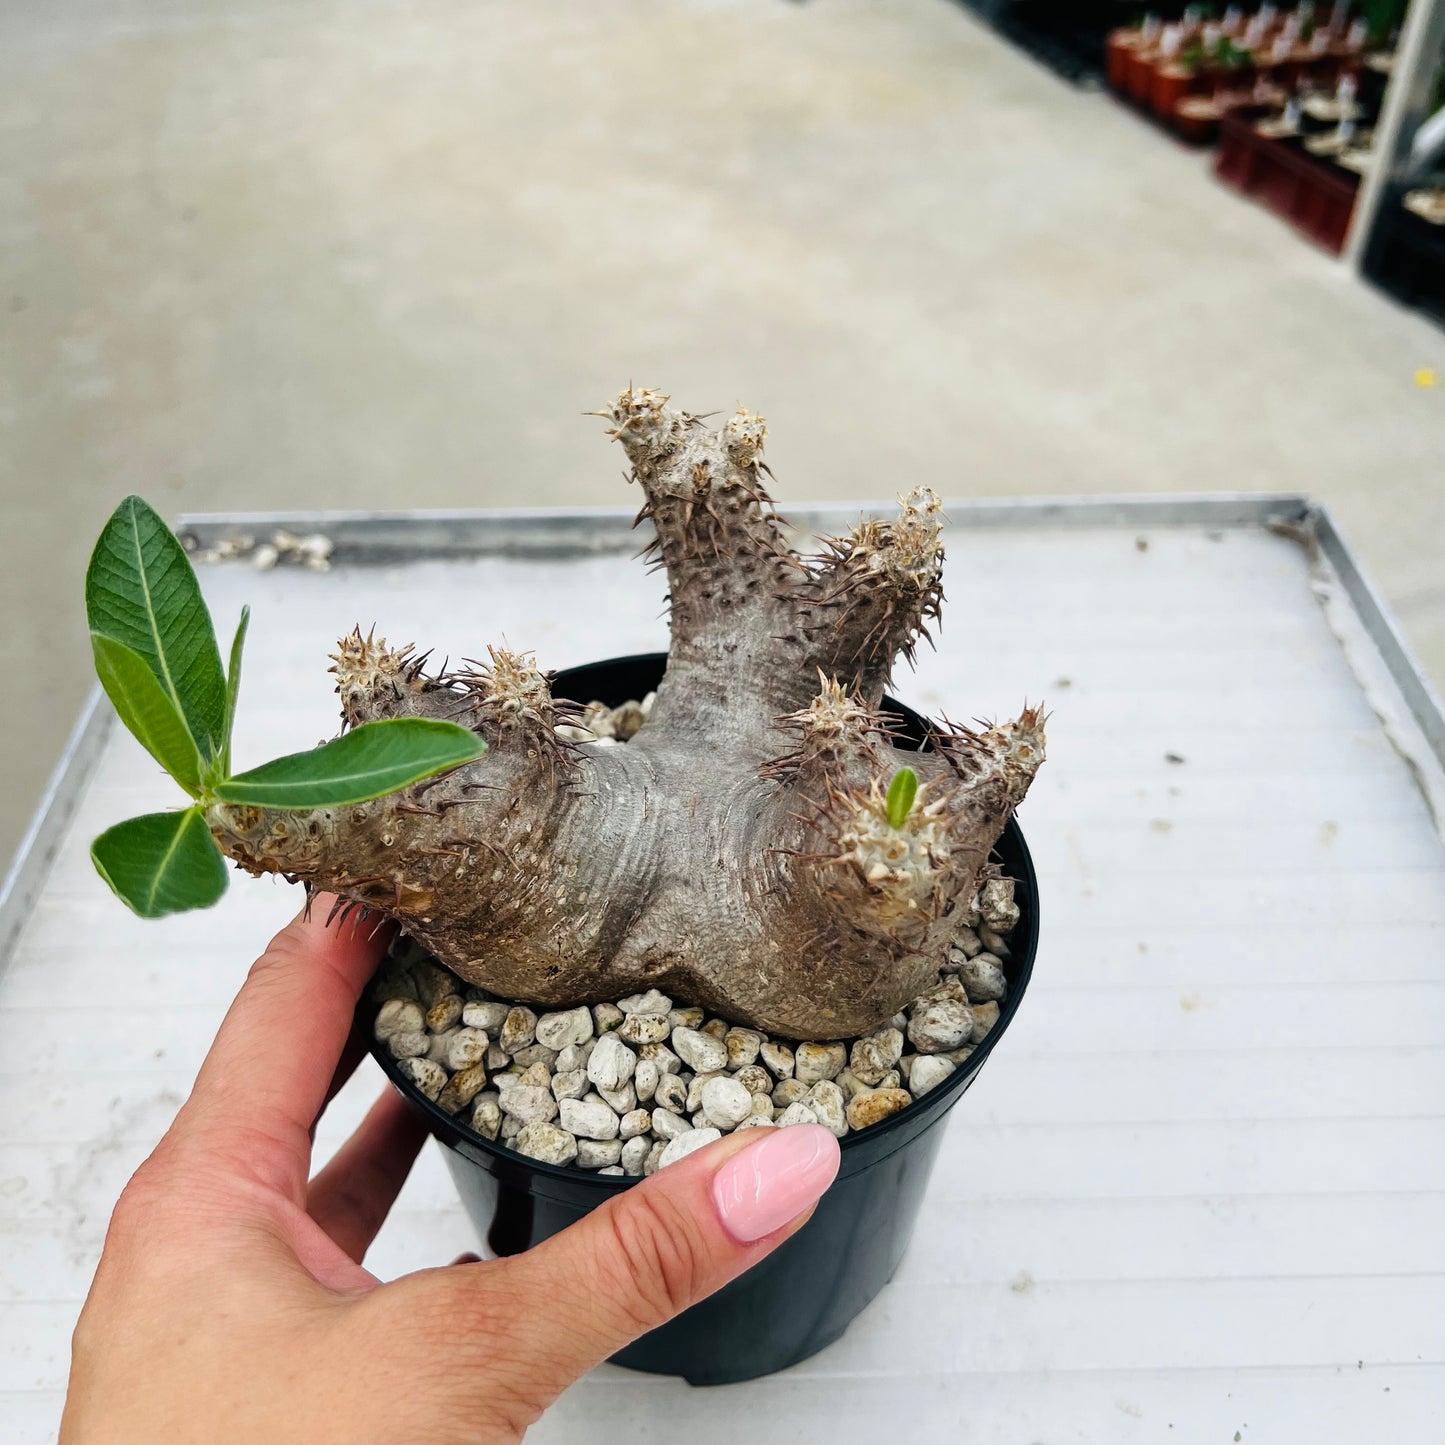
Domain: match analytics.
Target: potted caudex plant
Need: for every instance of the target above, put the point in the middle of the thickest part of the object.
(648, 901)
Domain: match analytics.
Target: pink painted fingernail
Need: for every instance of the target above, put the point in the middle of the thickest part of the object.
(765, 1185)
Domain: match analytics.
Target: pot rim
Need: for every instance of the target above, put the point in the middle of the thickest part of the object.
(449, 1127)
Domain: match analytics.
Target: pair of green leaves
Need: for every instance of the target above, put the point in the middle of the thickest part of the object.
(157, 659)
(155, 649)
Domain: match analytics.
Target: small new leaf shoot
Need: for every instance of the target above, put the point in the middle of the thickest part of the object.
(901, 793)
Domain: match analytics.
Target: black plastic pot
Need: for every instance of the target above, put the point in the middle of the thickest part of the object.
(806, 1293)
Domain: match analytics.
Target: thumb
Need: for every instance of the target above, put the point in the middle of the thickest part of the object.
(653, 1250)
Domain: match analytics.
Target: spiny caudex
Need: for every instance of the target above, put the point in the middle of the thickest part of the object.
(737, 852)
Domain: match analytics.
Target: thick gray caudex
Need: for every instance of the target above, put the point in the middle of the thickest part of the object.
(738, 852)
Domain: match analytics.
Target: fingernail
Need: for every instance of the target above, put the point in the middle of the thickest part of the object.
(764, 1186)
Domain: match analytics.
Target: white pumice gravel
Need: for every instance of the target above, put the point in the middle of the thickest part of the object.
(874, 1105)
(726, 1102)
(639, 1028)
(778, 1058)
(430, 1078)
(440, 1046)
(742, 1046)
(545, 1142)
(872, 1057)
(992, 941)
(983, 978)
(966, 944)
(651, 1002)
(467, 1047)
(574, 1056)
(462, 1088)
(399, 1016)
(621, 1101)
(562, 1030)
(996, 904)
(488, 1017)
(928, 1071)
(985, 1016)
(612, 1063)
(825, 1099)
(444, 1014)
(639, 1121)
(699, 1051)
(671, 1093)
(598, 1153)
(625, 1088)
(486, 1115)
(668, 1126)
(518, 1029)
(409, 1044)
(589, 1118)
(530, 1103)
(796, 1114)
(686, 1144)
(432, 981)
(940, 1025)
(699, 1083)
(667, 1062)
(606, 1017)
(813, 1062)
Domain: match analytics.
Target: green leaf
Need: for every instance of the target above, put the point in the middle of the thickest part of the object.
(371, 760)
(901, 793)
(161, 863)
(233, 688)
(147, 711)
(140, 591)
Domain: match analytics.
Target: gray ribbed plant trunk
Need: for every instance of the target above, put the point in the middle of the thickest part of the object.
(736, 853)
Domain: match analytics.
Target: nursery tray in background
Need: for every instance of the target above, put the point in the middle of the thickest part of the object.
(1201, 1188)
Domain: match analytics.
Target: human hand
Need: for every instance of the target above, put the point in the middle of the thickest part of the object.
(231, 1304)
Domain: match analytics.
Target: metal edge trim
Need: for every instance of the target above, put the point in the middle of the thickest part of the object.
(520, 530)
(1383, 630)
(52, 816)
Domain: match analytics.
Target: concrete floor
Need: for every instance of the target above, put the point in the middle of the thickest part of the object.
(359, 254)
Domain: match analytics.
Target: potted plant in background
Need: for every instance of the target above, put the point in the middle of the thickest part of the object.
(645, 902)
(1176, 78)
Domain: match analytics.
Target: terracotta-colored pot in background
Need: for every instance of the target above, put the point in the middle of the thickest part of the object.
(1117, 50)
(1171, 83)
(1196, 118)
(1139, 76)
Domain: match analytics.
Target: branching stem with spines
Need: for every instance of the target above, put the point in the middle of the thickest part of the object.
(737, 852)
